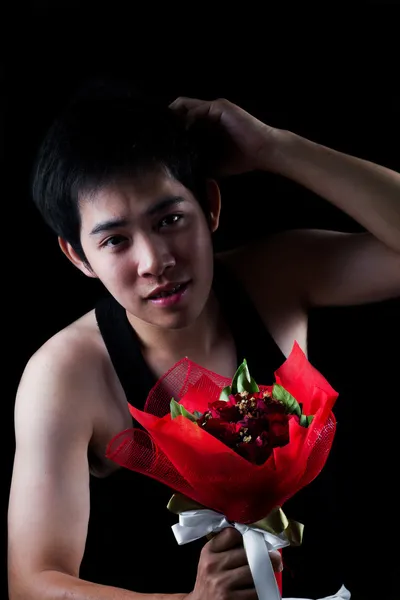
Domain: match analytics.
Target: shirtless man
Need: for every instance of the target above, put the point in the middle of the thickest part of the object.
(149, 230)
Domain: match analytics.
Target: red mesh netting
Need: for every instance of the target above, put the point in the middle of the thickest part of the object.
(189, 460)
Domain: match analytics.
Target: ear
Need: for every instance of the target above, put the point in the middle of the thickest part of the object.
(72, 255)
(214, 203)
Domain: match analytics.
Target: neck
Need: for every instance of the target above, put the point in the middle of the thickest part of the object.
(197, 341)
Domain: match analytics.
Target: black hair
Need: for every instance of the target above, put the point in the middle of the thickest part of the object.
(109, 130)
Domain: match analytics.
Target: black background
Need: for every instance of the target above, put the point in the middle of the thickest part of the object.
(332, 80)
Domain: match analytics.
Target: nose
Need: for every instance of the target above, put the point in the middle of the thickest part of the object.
(153, 256)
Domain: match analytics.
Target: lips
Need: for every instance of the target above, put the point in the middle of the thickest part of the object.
(172, 299)
(167, 290)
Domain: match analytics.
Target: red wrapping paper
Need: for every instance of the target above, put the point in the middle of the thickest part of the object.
(189, 460)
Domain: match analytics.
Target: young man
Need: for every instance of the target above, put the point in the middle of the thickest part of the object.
(122, 186)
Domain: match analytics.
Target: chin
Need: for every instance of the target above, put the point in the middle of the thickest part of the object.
(177, 321)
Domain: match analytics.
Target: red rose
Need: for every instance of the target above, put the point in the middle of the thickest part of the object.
(254, 425)
(227, 411)
(254, 453)
(226, 432)
(263, 439)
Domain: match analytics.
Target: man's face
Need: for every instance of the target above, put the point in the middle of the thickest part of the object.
(151, 232)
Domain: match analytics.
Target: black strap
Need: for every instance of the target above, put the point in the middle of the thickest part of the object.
(123, 347)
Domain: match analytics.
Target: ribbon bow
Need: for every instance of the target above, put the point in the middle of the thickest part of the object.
(194, 524)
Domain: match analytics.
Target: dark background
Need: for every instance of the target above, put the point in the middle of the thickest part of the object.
(333, 81)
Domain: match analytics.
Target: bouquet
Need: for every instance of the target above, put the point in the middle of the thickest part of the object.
(234, 451)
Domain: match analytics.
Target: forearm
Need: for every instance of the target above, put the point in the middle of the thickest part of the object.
(53, 585)
(369, 193)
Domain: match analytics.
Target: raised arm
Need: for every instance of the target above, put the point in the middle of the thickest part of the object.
(327, 267)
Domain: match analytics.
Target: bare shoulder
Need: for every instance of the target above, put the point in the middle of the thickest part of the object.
(70, 379)
(55, 372)
(76, 349)
(267, 271)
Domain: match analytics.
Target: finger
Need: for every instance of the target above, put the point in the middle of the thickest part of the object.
(198, 113)
(276, 560)
(240, 578)
(249, 594)
(183, 104)
(237, 557)
(227, 539)
(233, 559)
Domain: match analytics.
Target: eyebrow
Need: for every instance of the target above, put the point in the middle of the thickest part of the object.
(160, 206)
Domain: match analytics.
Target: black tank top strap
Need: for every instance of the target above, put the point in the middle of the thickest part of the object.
(123, 346)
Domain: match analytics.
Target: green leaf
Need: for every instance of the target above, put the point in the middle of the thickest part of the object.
(225, 393)
(242, 381)
(236, 376)
(178, 410)
(305, 421)
(291, 404)
(253, 387)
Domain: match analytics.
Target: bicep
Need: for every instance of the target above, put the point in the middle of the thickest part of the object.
(49, 496)
(48, 509)
(337, 269)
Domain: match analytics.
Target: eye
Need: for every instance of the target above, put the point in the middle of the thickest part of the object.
(114, 241)
(170, 220)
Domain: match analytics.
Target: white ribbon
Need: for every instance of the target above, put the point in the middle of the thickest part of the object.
(342, 594)
(195, 524)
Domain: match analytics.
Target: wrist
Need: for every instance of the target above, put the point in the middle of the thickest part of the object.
(277, 150)
(293, 154)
